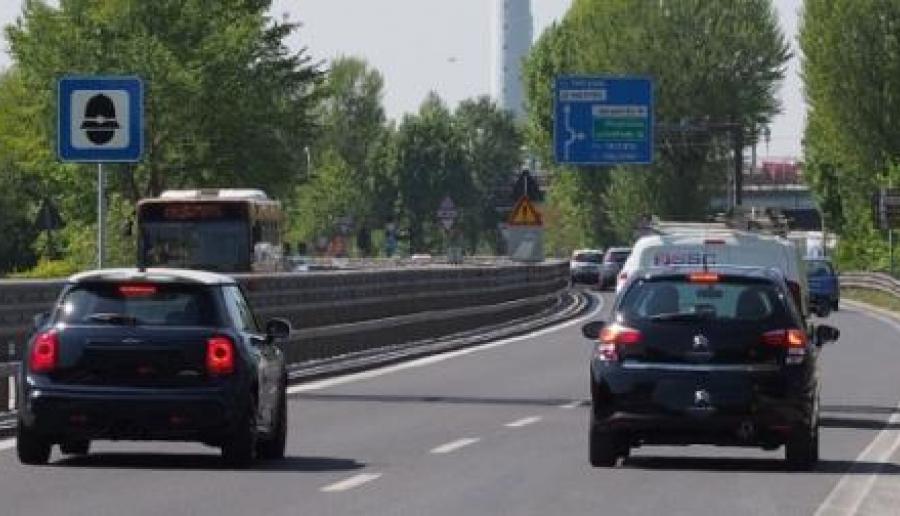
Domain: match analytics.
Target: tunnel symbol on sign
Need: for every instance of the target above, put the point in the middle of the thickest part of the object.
(100, 123)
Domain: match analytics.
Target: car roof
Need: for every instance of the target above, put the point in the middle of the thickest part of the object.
(618, 250)
(156, 275)
(579, 251)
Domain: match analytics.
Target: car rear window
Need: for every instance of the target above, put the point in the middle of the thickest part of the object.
(673, 299)
(139, 304)
(588, 257)
(819, 269)
(617, 256)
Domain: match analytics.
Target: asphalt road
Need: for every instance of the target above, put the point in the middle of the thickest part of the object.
(500, 429)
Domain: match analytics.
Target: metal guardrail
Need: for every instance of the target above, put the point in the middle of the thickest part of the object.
(872, 281)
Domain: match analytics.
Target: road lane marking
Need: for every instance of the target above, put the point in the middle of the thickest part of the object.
(350, 483)
(854, 486)
(525, 421)
(571, 405)
(454, 445)
(7, 444)
(434, 359)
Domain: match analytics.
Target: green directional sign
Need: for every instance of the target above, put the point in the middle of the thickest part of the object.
(620, 129)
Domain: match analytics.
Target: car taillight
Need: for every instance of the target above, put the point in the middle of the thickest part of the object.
(614, 336)
(219, 356)
(793, 340)
(704, 277)
(44, 352)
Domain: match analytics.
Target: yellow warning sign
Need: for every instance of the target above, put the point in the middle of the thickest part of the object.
(525, 214)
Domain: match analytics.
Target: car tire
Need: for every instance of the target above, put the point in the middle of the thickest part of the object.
(79, 447)
(272, 448)
(801, 452)
(603, 451)
(835, 305)
(31, 448)
(239, 448)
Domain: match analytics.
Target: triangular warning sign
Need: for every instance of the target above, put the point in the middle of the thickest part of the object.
(525, 214)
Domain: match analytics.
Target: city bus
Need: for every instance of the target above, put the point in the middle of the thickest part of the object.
(223, 230)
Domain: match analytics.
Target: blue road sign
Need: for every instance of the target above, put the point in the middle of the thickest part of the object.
(603, 120)
(100, 119)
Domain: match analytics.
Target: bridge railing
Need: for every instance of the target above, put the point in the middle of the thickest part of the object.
(341, 313)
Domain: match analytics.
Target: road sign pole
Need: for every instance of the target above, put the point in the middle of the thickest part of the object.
(101, 216)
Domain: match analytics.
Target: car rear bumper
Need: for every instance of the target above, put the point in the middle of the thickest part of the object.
(703, 404)
(179, 415)
(585, 276)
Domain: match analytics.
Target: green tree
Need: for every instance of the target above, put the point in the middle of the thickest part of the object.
(431, 163)
(492, 145)
(714, 65)
(226, 102)
(851, 74)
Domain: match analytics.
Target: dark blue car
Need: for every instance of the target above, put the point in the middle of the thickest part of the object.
(824, 289)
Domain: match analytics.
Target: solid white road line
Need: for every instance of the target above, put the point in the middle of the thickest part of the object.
(854, 487)
(350, 483)
(426, 361)
(570, 406)
(455, 445)
(525, 421)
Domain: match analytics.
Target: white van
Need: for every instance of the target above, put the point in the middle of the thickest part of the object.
(720, 247)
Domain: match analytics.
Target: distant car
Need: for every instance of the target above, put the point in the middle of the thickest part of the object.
(156, 354)
(584, 267)
(824, 287)
(718, 357)
(613, 261)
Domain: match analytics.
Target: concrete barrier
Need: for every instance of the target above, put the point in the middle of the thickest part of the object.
(343, 312)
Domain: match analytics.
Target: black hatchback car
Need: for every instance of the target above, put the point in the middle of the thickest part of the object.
(721, 358)
(157, 354)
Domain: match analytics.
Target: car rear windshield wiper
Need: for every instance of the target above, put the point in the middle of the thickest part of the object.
(682, 316)
(112, 318)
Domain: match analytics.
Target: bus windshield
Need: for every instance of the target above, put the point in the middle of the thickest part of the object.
(222, 246)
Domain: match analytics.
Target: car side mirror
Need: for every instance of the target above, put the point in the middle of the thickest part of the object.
(592, 330)
(278, 329)
(40, 319)
(826, 334)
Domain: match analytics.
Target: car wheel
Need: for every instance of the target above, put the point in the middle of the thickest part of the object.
(273, 447)
(836, 305)
(31, 448)
(602, 449)
(80, 447)
(239, 449)
(801, 452)
(823, 310)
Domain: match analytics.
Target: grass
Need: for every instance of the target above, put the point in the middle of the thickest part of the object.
(873, 297)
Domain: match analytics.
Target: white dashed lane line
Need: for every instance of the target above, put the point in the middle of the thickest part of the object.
(7, 444)
(350, 483)
(454, 445)
(525, 421)
(572, 405)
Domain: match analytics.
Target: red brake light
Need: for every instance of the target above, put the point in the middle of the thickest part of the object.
(791, 339)
(219, 356)
(704, 277)
(137, 290)
(613, 336)
(44, 352)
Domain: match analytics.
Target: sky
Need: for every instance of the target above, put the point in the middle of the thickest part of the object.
(445, 46)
